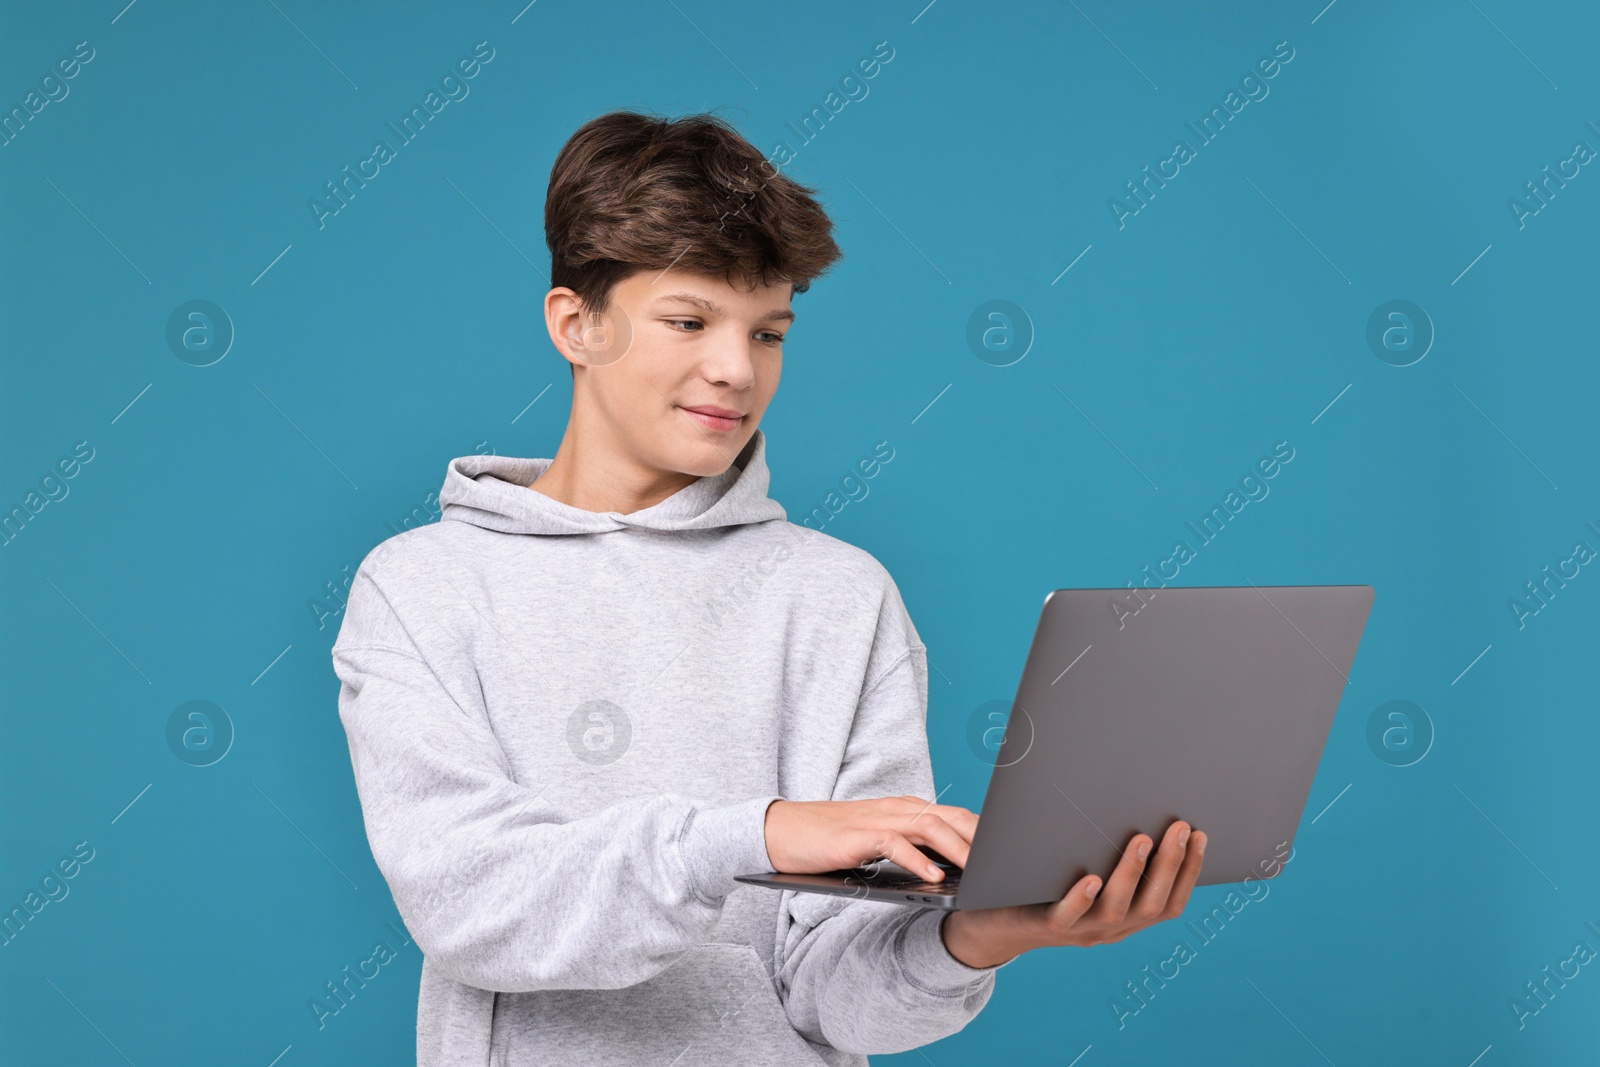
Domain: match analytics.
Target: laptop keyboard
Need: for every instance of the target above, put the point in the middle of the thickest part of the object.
(908, 883)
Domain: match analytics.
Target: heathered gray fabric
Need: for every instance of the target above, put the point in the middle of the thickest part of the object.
(566, 866)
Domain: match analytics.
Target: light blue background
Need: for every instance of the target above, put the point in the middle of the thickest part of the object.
(1209, 328)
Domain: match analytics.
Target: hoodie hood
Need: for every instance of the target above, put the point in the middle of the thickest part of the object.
(492, 492)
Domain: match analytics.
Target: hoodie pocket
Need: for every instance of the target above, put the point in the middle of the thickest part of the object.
(715, 1005)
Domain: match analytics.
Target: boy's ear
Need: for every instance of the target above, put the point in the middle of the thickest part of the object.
(583, 337)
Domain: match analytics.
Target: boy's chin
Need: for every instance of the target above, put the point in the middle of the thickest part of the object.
(704, 457)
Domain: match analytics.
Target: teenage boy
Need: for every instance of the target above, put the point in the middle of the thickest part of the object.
(608, 682)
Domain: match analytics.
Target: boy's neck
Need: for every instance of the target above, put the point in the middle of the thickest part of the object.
(595, 477)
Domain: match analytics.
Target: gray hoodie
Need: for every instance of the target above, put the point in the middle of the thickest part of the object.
(566, 727)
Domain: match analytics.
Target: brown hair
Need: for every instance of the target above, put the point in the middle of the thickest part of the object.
(630, 192)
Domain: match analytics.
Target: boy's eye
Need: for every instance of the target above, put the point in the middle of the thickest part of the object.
(766, 337)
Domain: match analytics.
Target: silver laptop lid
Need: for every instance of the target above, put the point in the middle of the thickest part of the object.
(1210, 705)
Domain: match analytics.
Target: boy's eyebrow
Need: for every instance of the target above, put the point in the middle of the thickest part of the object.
(712, 308)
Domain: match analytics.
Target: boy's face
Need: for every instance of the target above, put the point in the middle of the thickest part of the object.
(678, 370)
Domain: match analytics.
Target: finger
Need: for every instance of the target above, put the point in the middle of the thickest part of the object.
(1066, 912)
(1151, 898)
(1113, 903)
(897, 849)
(1178, 899)
(940, 836)
(964, 822)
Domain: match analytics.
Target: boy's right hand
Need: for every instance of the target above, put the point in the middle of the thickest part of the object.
(815, 836)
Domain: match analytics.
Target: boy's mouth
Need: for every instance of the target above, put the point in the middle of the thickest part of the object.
(715, 418)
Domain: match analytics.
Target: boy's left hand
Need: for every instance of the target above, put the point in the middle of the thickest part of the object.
(1134, 898)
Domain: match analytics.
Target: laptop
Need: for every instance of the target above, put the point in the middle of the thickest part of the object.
(1210, 705)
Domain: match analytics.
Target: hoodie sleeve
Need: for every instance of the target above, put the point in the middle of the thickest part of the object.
(864, 976)
(498, 893)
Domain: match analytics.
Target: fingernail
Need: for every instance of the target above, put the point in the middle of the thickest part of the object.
(1092, 889)
(1183, 836)
(1201, 846)
(1144, 849)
